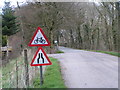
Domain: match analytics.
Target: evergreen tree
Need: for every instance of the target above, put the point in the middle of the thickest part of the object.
(9, 26)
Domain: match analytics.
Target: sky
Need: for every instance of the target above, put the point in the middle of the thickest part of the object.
(13, 3)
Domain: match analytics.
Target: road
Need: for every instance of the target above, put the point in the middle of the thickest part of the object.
(85, 69)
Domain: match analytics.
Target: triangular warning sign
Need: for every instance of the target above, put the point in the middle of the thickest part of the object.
(40, 58)
(39, 39)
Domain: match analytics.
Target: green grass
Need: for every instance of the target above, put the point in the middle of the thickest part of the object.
(6, 69)
(107, 52)
(52, 77)
(59, 52)
(9, 67)
(111, 53)
(5, 74)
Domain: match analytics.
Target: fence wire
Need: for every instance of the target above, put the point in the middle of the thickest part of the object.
(13, 73)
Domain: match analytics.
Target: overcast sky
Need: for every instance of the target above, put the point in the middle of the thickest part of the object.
(13, 3)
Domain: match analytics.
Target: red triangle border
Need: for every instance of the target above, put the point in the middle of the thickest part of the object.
(30, 44)
(40, 48)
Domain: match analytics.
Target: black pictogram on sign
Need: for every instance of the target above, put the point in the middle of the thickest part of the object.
(40, 56)
(39, 40)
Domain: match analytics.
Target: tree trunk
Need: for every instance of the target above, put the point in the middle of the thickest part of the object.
(51, 41)
(16, 75)
(71, 38)
(79, 38)
(98, 37)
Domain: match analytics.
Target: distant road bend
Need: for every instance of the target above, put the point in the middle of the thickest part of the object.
(85, 69)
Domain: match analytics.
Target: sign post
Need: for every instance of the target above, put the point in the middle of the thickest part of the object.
(40, 58)
(41, 76)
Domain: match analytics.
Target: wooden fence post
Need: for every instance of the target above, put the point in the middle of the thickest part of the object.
(26, 68)
(16, 74)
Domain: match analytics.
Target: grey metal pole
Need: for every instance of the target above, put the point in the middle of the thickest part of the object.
(41, 76)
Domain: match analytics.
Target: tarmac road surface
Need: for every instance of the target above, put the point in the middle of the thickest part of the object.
(85, 69)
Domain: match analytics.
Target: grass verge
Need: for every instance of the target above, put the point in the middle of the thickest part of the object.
(9, 73)
(107, 52)
(111, 53)
(52, 77)
(59, 52)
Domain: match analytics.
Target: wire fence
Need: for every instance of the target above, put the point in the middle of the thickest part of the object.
(14, 72)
